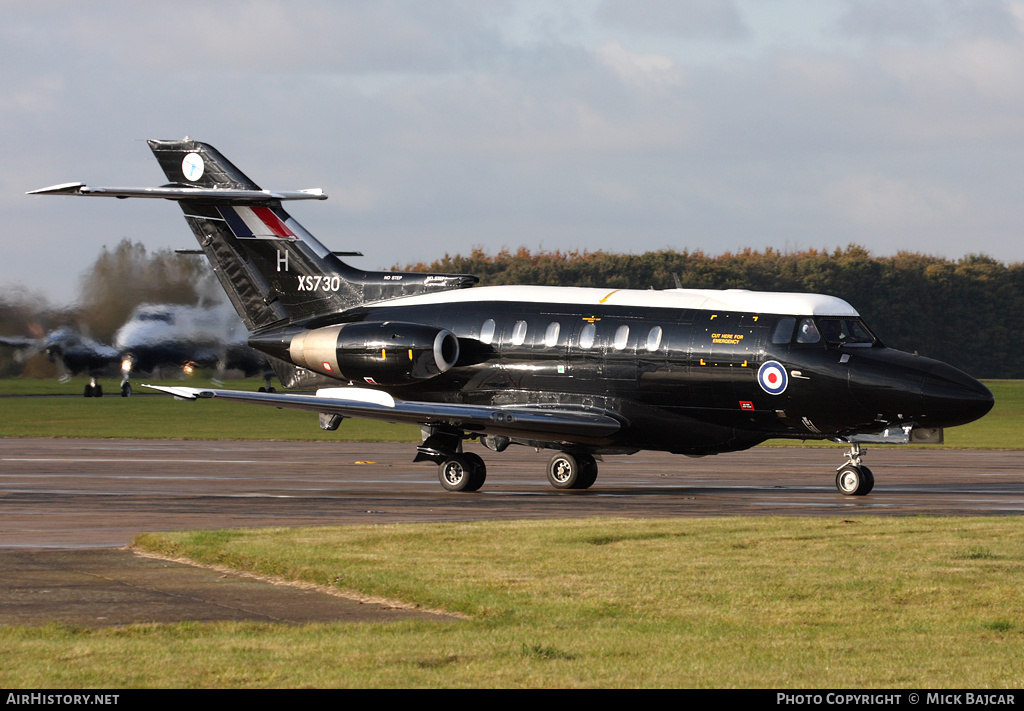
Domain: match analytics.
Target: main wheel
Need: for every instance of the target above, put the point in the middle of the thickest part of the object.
(852, 480)
(462, 472)
(563, 471)
(572, 471)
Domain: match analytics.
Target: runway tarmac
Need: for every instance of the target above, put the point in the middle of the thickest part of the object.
(76, 497)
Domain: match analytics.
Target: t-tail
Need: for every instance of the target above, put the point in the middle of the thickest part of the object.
(274, 272)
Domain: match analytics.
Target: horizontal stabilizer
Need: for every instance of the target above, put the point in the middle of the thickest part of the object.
(549, 423)
(174, 192)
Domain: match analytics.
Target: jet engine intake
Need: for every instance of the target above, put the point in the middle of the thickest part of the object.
(384, 353)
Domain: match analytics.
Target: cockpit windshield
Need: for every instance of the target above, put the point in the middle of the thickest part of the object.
(833, 330)
(845, 331)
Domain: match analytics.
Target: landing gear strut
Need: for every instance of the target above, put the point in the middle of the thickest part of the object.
(853, 478)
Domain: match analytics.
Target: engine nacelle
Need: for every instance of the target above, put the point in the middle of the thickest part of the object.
(379, 353)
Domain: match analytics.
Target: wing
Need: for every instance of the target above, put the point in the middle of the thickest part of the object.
(547, 423)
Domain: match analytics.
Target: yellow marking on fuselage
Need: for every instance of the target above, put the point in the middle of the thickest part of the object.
(609, 295)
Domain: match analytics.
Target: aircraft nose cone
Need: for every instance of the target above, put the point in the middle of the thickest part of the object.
(952, 397)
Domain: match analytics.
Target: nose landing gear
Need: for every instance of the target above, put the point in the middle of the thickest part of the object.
(853, 478)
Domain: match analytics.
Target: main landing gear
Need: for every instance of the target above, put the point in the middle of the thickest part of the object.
(465, 471)
(853, 478)
(572, 470)
(456, 470)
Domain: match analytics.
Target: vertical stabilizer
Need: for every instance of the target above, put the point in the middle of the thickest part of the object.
(273, 270)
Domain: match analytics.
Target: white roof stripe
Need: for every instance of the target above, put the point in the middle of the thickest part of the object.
(761, 302)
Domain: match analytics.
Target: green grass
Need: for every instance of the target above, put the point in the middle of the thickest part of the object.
(729, 602)
(163, 417)
(160, 416)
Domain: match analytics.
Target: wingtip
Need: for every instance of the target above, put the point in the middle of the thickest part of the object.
(62, 188)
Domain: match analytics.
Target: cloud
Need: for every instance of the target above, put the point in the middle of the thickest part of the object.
(441, 126)
(638, 68)
(687, 19)
(883, 202)
(925, 21)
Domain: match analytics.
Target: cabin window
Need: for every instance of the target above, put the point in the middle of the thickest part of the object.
(807, 332)
(621, 338)
(784, 331)
(487, 331)
(587, 335)
(654, 339)
(519, 333)
(551, 335)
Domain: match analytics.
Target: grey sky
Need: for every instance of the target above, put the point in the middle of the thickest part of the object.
(621, 125)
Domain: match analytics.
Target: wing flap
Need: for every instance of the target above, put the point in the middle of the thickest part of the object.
(548, 423)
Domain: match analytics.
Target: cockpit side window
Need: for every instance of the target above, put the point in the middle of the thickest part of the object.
(784, 330)
(807, 332)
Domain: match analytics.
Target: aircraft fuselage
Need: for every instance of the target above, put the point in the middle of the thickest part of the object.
(683, 379)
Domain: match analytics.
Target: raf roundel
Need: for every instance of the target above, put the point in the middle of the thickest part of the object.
(192, 166)
(772, 378)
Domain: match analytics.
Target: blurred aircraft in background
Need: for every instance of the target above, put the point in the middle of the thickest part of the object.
(155, 336)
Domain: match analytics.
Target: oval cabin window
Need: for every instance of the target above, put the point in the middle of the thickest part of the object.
(519, 333)
(587, 335)
(621, 338)
(487, 331)
(654, 339)
(551, 335)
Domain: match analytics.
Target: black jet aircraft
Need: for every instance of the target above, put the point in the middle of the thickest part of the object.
(585, 372)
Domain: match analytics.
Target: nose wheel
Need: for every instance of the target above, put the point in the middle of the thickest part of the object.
(853, 478)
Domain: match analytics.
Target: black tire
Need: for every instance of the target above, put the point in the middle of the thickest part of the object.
(462, 472)
(126, 390)
(588, 471)
(869, 481)
(479, 470)
(852, 480)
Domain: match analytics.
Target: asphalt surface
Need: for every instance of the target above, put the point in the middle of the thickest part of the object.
(69, 507)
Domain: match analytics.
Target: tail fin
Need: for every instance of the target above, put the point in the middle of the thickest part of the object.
(274, 272)
(264, 259)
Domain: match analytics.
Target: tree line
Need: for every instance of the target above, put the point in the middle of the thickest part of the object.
(967, 312)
